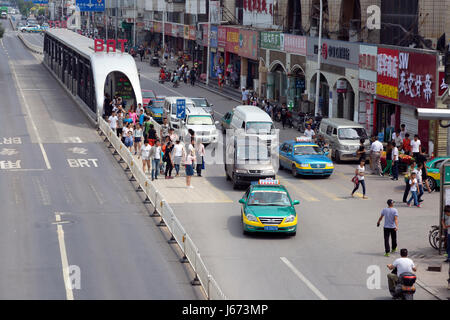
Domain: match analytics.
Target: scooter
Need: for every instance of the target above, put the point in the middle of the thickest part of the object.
(404, 290)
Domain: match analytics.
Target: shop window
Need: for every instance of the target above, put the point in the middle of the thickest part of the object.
(294, 17)
(315, 16)
(350, 20)
(399, 22)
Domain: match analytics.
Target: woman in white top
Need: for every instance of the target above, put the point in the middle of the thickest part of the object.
(199, 154)
(190, 159)
(138, 132)
(359, 173)
(178, 155)
(145, 154)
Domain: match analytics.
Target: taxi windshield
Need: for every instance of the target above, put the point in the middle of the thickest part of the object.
(303, 150)
(352, 134)
(268, 198)
(157, 104)
(200, 120)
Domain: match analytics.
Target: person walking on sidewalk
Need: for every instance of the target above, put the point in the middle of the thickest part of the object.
(178, 155)
(145, 153)
(395, 160)
(245, 94)
(199, 155)
(156, 159)
(375, 155)
(167, 158)
(419, 182)
(415, 145)
(388, 167)
(410, 170)
(446, 226)
(192, 76)
(413, 189)
(190, 160)
(360, 180)
(390, 215)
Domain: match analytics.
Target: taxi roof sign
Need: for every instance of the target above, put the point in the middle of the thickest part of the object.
(268, 182)
(303, 139)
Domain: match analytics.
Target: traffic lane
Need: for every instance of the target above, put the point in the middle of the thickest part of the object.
(120, 251)
(97, 197)
(330, 257)
(31, 265)
(36, 39)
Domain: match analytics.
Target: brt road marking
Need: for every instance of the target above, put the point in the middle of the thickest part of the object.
(304, 279)
(27, 107)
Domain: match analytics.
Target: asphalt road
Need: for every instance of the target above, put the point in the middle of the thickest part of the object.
(56, 215)
(337, 241)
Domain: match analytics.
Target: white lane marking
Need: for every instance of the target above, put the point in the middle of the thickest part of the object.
(64, 260)
(27, 107)
(304, 279)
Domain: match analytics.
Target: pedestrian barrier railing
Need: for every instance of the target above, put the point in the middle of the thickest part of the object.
(164, 211)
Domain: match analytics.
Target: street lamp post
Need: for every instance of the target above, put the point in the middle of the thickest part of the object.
(208, 58)
(164, 30)
(319, 55)
(134, 26)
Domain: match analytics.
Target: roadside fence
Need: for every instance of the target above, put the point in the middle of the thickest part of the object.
(162, 209)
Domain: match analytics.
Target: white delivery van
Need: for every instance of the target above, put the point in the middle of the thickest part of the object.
(343, 137)
(252, 119)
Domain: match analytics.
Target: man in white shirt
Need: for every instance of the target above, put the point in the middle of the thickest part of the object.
(309, 132)
(403, 264)
(375, 155)
(395, 160)
(415, 146)
(403, 131)
(113, 121)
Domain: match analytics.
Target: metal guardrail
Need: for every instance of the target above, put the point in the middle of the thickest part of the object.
(163, 210)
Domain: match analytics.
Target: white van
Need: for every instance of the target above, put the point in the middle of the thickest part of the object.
(343, 137)
(252, 119)
(170, 110)
(203, 125)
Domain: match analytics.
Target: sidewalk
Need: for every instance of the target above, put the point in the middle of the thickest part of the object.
(434, 282)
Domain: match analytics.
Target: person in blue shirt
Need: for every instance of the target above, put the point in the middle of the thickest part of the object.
(141, 118)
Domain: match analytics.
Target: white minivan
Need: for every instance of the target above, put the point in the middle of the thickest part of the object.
(203, 125)
(252, 119)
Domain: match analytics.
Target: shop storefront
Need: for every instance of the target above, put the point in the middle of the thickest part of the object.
(367, 85)
(295, 48)
(406, 80)
(277, 84)
(232, 59)
(339, 74)
(248, 51)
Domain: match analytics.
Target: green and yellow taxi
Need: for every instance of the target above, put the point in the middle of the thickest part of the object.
(268, 207)
(433, 172)
(304, 157)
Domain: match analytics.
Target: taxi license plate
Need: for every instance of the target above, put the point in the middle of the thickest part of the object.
(317, 171)
(270, 228)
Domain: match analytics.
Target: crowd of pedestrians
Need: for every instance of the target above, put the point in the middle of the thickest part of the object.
(161, 152)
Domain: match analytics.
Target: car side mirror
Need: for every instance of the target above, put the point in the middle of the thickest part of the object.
(326, 153)
(295, 202)
(217, 122)
(242, 201)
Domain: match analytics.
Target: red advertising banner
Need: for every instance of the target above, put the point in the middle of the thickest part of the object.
(232, 43)
(417, 79)
(168, 29)
(222, 37)
(248, 44)
(387, 71)
(205, 34)
(192, 33)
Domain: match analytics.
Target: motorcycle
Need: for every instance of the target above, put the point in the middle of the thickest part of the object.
(162, 78)
(404, 289)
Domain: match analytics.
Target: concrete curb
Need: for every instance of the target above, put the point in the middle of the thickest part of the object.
(431, 291)
(30, 47)
(204, 86)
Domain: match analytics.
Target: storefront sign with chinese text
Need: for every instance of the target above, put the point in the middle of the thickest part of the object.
(334, 52)
(442, 85)
(417, 79)
(213, 36)
(295, 44)
(387, 73)
(368, 61)
(271, 40)
(248, 44)
(232, 44)
(367, 86)
(221, 37)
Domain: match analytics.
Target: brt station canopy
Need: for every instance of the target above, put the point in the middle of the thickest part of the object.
(89, 74)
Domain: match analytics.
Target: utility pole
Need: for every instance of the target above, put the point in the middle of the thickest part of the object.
(208, 62)
(105, 17)
(117, 17)
(319, 55)
(134, 26)
(164, 29)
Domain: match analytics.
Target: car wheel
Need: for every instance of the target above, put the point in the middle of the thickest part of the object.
(431, 183)
(294, 171)
(337, 156)
(235, 185)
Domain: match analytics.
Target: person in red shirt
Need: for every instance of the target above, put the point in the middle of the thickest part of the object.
(407, 144)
